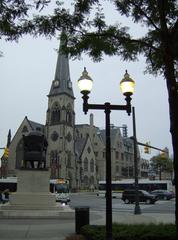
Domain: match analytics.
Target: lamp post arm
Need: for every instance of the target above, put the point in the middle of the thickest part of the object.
(87, 106)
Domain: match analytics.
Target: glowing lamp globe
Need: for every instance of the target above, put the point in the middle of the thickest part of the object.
(127, 85)
(85, 82)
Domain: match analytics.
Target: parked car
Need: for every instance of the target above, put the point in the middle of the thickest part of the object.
(163, 194)
(128, 196)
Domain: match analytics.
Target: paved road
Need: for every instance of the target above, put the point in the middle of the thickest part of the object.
(97, 203)
(59, 228)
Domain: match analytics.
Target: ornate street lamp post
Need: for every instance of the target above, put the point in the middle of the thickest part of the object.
(127, 84)
(137, 209)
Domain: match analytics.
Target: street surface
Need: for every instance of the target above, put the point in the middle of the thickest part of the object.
(59, 228)
(99, 204)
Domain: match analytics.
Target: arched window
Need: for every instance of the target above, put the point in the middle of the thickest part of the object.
(69, 118)
(86, 165)
(69, 160)
(92, 165)
(70, 179)
(54, 164)
(91, 181)
(69, 114)
(85, 181)
(54, 158)
(25, 129)
(55, 114)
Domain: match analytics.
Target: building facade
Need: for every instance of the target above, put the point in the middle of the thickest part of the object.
(75, 152)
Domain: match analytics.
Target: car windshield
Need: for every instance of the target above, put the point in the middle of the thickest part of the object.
(144, 192)
(159, 191)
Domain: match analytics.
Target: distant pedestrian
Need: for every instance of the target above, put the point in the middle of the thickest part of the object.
(1, 199)
(6, 195)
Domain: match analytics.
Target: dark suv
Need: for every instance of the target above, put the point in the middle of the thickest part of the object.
(128, 196)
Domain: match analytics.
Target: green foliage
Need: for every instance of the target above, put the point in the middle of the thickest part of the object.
(75, 237)
(132, 232)
(158, 163)
(90, 32)
(13, 14)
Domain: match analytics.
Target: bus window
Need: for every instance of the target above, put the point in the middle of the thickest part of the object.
(61, 188)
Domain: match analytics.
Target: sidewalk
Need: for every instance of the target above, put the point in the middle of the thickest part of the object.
(59, 228)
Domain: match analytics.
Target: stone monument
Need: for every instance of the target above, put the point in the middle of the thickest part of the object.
(33, 179)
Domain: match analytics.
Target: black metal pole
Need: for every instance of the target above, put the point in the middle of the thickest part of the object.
(107, 107)
(108, 175)
(137, 209)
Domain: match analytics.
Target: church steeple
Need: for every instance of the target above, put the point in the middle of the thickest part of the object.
(62, 83)
(9, 138)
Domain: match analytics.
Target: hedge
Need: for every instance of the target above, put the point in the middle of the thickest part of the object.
(131, 232)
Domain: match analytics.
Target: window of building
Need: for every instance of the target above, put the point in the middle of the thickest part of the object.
(69, 160)
(91, 181)
(25, 129)
(89, 150)
(117, 155)
(54, 158)
(69, 117)
(117, 168)
(85, 181)
(96, 154)
(55, 114)
(92, 165)
(86, 165)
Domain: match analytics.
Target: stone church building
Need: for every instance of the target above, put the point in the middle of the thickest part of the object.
(75, 152)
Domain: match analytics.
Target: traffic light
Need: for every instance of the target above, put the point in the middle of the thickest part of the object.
(163, 155)
(147, 148)
(6, 152)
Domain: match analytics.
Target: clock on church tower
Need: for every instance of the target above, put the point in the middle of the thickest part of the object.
(56, 83)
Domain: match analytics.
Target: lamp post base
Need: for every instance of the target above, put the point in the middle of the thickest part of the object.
(137, 210)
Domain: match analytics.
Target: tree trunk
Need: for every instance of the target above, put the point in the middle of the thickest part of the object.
(169, 72)
(173, 100)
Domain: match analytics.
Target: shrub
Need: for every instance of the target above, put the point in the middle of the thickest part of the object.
(75, 237)
(132, 232)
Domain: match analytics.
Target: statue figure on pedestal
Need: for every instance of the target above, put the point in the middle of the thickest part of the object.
(34, 150)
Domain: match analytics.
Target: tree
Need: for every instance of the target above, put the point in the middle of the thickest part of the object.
(90, 33)
(161, 165)
(13, 14)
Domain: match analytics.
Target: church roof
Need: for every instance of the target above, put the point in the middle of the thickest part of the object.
(62, 83)
(79, 145)
(113, 133)
(36, 126)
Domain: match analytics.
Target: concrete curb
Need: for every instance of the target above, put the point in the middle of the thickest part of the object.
(63, 213)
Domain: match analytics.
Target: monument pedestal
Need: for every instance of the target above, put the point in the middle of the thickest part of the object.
(33, 198)
(32, 190)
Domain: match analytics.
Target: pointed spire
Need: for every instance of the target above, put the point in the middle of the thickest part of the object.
(9, 138)
(62, 83)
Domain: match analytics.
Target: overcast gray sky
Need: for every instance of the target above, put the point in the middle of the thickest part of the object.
(27, 70)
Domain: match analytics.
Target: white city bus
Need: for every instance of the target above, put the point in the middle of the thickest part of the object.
(61, 188)
(144, 184)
